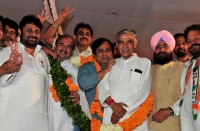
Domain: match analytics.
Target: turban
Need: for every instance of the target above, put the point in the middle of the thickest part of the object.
(163, 35)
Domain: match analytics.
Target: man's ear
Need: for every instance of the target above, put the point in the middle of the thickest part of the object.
(74, 37)
(135, 44)
(19, 32)
(91, 42)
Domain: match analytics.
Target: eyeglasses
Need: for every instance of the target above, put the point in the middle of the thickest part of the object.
(9, 32)
(195, 39)
(30, 31)
(158, 47)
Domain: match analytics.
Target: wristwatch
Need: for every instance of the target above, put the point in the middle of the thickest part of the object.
(171, 111)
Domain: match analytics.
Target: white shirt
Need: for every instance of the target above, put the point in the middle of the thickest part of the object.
(129, 82)
(85, 53)
(23, 102)
(58, 117)
(185, 63)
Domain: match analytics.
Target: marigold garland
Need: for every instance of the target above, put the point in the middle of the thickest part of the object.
(72, 87)
(54, 93)
(139, 115)
(95, 105)
(61, 89)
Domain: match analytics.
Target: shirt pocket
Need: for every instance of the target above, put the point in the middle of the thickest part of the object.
(135, 78)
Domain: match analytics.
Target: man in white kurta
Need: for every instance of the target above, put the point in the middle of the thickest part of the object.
(128, 82)
(23, 94)
(190, 119)
(58, 117)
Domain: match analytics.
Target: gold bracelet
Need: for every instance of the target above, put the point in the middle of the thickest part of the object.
(55, 25)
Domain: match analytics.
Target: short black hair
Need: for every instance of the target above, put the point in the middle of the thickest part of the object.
(65, 36)
(98, 42)
(30, 19)
(191, 27)
(1, 20)
(12, 24)
(178, 35)
(83, 25)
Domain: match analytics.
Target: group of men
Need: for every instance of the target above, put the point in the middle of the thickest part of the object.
(123, 84)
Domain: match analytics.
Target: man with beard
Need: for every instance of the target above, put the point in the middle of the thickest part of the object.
(58, 117)
(167, 84)
(23, 100)
(181, 49)
(190, 103)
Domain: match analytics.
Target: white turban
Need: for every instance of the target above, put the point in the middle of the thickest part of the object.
(165, 36)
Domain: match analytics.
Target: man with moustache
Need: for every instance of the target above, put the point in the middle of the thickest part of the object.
(8, 66)
(58, 117)
(190, 103)
(167, 84)
(82, 35)
(23, 101)
(181, 49)
(89, 77)
(10, 31)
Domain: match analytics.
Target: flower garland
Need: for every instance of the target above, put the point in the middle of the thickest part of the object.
(126, 125)
(61, 91)
(95, 105)
(134, 120)
(139, 115)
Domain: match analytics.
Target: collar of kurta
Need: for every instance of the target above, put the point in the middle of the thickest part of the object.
(37, 48)
(165, 65)
(122, 62)
(85, 53)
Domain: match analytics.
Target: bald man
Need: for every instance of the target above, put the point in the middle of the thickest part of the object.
(167, 84)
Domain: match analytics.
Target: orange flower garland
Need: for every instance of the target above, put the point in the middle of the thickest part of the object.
(95, 105)
(68, 82)
(72, 86)
(54, 93)
(139, 115)
(95, 124)
(128, 124)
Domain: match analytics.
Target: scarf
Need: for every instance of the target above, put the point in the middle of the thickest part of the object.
(194, 72)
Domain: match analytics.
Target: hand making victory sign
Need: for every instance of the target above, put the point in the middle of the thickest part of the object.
(16, 58)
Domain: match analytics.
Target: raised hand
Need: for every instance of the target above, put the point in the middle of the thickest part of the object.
(15, 54)
(42, 17)
(64, 13)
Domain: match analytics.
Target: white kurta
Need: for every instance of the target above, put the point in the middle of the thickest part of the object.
(129, 82)
(186, 115)
(58, 117)
(23, 103)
